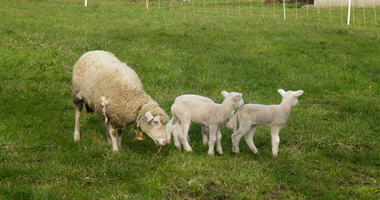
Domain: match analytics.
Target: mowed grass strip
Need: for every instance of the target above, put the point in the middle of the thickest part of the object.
(329, 147)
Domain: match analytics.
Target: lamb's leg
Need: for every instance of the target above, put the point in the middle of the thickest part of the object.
(78, 112)
(212, 139)
(249, 139)
(275, 140)
(176, 132)
(237, 136)
(113, 134)
(204, 134)
(183, 136)
(119, 134)
(107, 133)
(219, 142)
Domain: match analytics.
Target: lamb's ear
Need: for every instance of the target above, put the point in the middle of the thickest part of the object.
(297, 93)
(281, 91)
(224, 93)
(237, 96)
(148, 116)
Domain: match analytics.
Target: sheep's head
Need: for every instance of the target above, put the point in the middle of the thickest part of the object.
(290, 96)
(230, 123)
(153, 123)
(234, 97)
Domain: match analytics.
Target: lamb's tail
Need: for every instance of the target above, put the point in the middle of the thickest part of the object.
(169, 127)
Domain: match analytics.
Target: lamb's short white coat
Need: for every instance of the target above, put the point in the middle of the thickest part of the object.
(273, 116)
(204, 129)
(212, 115)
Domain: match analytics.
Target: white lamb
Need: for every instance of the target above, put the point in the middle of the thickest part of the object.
(210, 114)
(114, 91)
(204, 129)
(273, 116)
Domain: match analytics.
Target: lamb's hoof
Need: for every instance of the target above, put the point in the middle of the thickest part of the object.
(235, 150)
(221, 153)
(188, 149)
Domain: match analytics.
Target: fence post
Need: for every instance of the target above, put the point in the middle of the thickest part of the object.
(85, 3)
(349, 11)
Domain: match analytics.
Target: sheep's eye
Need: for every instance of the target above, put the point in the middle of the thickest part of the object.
(156, 122)
(228, 120)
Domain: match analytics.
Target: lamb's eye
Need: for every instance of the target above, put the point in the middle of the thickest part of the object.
(156, 122)
(228, 120)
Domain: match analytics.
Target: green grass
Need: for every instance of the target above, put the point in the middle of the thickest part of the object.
(329, 147)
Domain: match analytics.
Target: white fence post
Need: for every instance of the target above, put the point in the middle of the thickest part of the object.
(349, 10)
(85, 3)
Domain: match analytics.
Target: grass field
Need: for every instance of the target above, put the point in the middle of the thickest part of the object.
(329, 147)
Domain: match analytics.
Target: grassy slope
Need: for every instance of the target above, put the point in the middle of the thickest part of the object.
(329, 147)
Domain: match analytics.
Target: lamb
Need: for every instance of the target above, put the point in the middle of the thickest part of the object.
(114, 91)
(273, 116)
(204, 129)
(212, 115)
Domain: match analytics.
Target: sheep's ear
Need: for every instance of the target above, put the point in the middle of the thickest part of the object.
(224, 93)
(237, 96)
(298, 93)
(281, 91)
(148, 116)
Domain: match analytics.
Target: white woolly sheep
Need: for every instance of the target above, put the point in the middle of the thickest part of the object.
(212, 115)
(114, 91)
(204, 129)
(273, 116)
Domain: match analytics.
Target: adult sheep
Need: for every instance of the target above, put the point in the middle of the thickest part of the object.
(114, 91)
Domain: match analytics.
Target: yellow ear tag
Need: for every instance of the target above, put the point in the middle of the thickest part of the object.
(140, 135)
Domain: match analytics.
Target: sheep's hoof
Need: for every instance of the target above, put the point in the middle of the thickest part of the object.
(221, 153)
(189, 149)
(235, 150)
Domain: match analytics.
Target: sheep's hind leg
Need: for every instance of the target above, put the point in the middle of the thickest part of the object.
(237, 136)
(78, 112)
(275, 140)
(204, 131)
(176, 132)
(249, 139)
(183, 136)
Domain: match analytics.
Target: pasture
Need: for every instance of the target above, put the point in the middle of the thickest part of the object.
(329, 148)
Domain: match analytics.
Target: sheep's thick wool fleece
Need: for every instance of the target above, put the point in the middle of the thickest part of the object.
(100, 74)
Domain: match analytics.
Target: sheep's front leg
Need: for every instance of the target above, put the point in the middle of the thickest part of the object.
(204, 134)
(237, 136)
(113, 134)
(275, 140)
(78, 112)
(219, 142)
(184, 135)
(176, 132)
(119, 134)
(249, 139)
(107, 133)
(211, 143)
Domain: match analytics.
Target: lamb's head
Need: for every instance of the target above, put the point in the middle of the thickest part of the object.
(230, 123)
(153, 123)
(234, 98)
(290, 96)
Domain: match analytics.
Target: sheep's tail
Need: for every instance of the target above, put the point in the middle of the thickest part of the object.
(169, 127)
